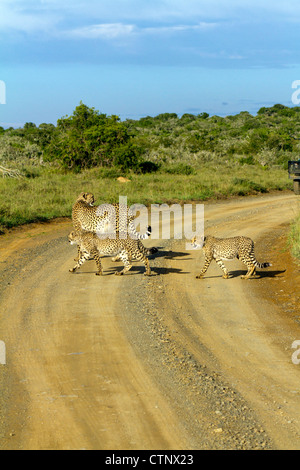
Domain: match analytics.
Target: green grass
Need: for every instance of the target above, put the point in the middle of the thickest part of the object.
(294, 238)
(48, 193)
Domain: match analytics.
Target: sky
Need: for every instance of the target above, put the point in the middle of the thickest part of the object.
(137, 58)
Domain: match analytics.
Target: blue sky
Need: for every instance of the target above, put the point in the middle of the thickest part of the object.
(136, 58)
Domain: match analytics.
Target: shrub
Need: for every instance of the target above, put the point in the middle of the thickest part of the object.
(126, 156)
(88, 139)
(148, 167)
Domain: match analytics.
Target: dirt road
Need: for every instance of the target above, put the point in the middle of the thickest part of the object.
(165, 362)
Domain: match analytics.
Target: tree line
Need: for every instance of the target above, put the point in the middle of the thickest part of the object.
(89, 138)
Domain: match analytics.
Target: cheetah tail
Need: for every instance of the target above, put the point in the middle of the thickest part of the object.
(263, 265)
(132, 231)
(147, 234)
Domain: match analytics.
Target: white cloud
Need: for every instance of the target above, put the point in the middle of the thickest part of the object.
(104, 31)
(116, 18)
(202, 26)
(110, 31)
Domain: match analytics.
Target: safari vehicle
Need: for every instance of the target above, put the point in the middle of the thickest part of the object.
(294, 174)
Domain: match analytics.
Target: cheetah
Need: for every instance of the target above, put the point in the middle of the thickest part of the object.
(222, 249)
(86, 216)
(106, 218)
(91, 245)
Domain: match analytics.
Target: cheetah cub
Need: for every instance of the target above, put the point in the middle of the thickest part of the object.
(221, 249)
(91, 245)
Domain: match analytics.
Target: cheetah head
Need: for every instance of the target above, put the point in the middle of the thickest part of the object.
(198, 242)
(86, 197)
(73, 238)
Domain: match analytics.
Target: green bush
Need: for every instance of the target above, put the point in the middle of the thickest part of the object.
(148, 167)
(88, 139)
(126, 156)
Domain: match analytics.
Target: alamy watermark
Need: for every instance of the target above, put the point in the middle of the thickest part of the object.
(166, 221)
(2, 92)
(296, 94)
(2, 353)
(296, 354)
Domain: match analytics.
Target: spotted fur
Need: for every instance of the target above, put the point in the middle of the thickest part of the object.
(105, 219)
(91, 245)
(222, 249)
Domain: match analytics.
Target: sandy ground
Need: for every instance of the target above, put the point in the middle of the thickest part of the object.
(165, 362)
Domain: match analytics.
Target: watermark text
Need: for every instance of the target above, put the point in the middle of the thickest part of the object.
(296, 354)
(296, 94)
(2, 353)
(166, 221)
(2, 92)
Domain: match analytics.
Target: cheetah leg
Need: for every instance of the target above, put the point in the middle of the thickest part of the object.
(98, 263)
(141, 257)
(221, 264)
(205, 268)
(147, 266)
(251, 269)
(78, 254)
(127, 266)
(83, 258)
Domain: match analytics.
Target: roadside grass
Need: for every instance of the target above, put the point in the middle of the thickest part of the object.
(294, 238)
(49, 193)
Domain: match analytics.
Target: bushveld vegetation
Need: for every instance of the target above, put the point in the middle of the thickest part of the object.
(166, 158)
